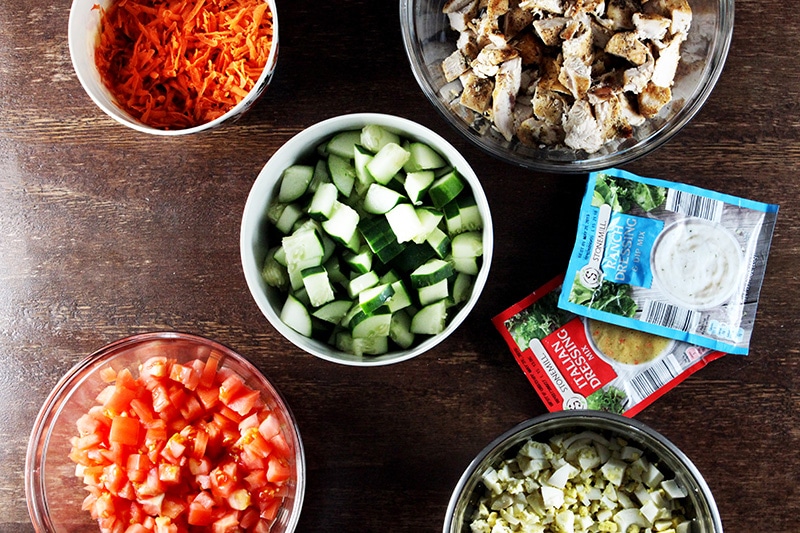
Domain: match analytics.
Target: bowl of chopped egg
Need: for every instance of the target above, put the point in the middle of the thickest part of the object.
(165, 431)
(567, 87)
(173, 68)
(582, 471)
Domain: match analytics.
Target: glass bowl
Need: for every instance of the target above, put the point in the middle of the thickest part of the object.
(255, 237)
(55, 494)
(700, 506)
(429, 40)
(83, 34)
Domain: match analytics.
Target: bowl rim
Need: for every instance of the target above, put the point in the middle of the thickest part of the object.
(122, 117)
(551, 421)
(655, 140)
(56, 399)
(265, 184)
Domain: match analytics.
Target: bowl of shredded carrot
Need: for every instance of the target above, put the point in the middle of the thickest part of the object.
(174, 67)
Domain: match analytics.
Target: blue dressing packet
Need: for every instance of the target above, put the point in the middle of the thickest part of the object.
(669, 259)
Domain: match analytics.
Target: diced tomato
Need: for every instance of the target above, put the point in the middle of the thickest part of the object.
(278, 470)
(124, 430)
(184, 445)
(200, 510)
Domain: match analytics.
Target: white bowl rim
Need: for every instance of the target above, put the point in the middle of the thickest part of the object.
(255, 205)
(125, 119)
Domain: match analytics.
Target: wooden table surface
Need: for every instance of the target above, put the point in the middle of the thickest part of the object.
(106, 232)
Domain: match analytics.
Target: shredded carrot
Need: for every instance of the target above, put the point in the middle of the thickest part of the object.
(176, 64)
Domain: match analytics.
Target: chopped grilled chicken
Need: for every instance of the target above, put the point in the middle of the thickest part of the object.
(652, 99)
(460, 13)
(516, 20)
(555, 7)
(454, 66)
(529, 47)
(650, 26)
(477, 93)
(678, 11)
(467, 43)
(549, 72)
(535, 132)
(549, 30)
(576, 76)
(548, 106)
(626, 44)
(667, 62)
(636, 78)
(496, 8)
(611, 119)
(488, 62)
(581, 129)
(620, 13)
(504, 96)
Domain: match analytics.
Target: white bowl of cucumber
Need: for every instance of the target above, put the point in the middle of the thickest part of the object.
(366, 239)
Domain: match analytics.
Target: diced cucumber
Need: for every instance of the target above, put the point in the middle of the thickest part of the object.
(468, 244)
(400, 299)
(432, 271)
(333, 311)
(380, 199)
(387, 162)
(404, 222)
(464, 215)
(317, 285)
(302, 246)
(359, 347)
(342, 224)
(321, 175)
(273, 272)
(287, 215)
(431, 319)
(380, 238)
(295, 271)
(295, 315)
(360, 262)
(440, 242)
(429, 218)
(445, 189)
(400, 330)
(325, 197)
(462, 287)
(466, 265)
(373, 298)
(389, 277)
(334, 269)
(343, 142)
(343, 173)
(423, 157)
(362, 283)
(280, 256)
(375, 137)
(294, 182)
(361, 158)
(433, 293)
(412, 256)
(367, 326)
(417, 184)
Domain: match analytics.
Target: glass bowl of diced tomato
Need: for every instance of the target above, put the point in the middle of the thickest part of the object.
(165, 431)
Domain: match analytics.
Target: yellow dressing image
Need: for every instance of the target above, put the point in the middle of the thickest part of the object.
(624, 345)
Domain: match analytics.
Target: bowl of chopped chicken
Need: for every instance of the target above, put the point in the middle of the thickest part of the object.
(583, 472)
(567, 85)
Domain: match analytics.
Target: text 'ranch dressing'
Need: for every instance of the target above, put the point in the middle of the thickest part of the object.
(669, 259)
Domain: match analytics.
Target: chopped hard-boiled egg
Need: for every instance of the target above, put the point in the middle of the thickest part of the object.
(579, 483)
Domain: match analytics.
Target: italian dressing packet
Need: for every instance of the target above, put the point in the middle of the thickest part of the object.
(669, 259)
(575, 362)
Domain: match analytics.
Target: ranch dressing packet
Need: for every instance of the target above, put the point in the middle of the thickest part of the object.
(669, 259)
(578, 363)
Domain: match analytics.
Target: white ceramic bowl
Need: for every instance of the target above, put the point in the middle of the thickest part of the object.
(254, 234)
(428, 40)
(83, 30)
(701, 507)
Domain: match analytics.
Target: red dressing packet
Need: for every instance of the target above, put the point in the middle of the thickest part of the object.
(578, 363)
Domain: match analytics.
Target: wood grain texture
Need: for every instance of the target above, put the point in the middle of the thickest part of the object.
(105, 232)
